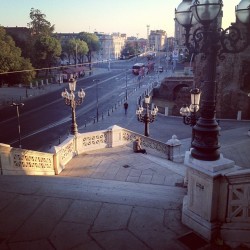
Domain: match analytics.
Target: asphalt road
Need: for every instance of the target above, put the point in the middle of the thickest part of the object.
(46, 118)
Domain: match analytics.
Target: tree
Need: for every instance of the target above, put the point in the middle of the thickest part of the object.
(73, 48)
(92, 41)
(81, 50)
(23, 40)
(45, 48)
(39, 25)
(48, 49)
(128, 51)
(11, 60)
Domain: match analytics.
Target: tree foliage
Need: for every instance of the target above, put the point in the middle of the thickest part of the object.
(47, 50)
(11, 60)
(73, 48)
(128, 51)
(92, 41)
(39, 25)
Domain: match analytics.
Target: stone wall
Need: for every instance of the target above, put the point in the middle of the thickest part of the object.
(233, 84)
(173, 92)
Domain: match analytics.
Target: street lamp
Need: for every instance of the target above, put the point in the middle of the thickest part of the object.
(147, 117)
(189, 114)
(69, 98)
(17, 105)
(213, 42)
(97, 98)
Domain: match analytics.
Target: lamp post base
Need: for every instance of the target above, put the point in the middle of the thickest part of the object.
(74, 129)
(205, 142)
(204, 206)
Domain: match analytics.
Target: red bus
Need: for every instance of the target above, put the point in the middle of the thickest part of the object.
(137, 67)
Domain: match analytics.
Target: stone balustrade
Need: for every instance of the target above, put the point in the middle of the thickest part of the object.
(236, 227)
(22, 161)
(17, 161)
(112, 137)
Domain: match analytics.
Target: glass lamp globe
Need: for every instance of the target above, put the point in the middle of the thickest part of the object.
(206, 11)
(242, 11)
(184, 111)
(184, 15)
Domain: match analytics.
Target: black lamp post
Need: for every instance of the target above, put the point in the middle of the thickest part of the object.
(69, 98)
(17, 105)
(212, 42)
(189, 114)
(97, 98)
(147, 117)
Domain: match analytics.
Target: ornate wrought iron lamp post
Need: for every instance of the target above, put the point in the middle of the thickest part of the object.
(213, 42)
(70, 100)
(190, 113)
(147, 117)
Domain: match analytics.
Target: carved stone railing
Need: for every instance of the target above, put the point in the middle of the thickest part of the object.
(15, 161)
(236, 227)
(21, 161)
(239, 197)
(112, 137)
(92, 141)
(64, 153)
(152, 146)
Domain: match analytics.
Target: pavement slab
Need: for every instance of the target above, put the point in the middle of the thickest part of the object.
(85, 213)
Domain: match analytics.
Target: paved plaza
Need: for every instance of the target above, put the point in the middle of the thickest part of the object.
(105, 199)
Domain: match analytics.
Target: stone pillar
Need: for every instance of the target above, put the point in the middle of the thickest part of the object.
(5, 159)
(58, 166)
(205, 204)
(174, 148)
(166, 111)
(115, 136)
(239, 115)
(31, 85)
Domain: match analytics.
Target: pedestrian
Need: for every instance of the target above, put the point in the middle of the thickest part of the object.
(137, 146)
(125, 107)
(139, 101)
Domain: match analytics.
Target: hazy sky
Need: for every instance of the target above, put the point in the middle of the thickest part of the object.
(124, 16)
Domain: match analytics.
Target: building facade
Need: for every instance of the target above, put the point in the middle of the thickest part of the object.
(110, 45)
(157, 40)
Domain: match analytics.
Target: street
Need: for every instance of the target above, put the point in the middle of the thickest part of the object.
(46, 118)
